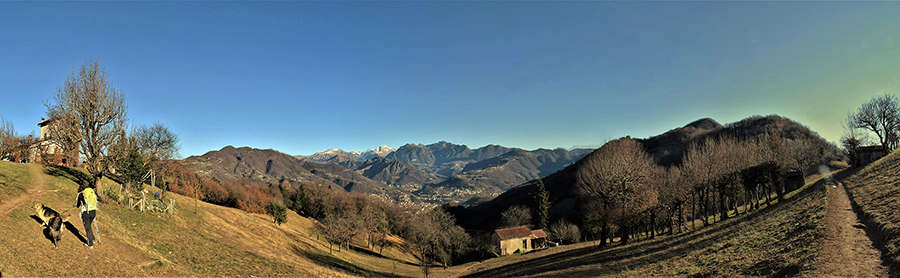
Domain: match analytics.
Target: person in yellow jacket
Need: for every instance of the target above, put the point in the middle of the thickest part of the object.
(87, 200)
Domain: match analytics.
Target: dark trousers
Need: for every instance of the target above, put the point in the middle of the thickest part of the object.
(88, 218)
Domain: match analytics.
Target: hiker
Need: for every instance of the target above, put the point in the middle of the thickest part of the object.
(87, 200)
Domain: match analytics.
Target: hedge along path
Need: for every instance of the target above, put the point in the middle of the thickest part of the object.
(38, 187)
(846, 250)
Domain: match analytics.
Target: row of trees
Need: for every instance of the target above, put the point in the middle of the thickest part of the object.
(623, 189)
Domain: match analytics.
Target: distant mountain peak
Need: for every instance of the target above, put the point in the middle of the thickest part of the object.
(338, 154)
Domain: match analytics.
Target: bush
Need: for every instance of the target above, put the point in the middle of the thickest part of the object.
(564, 232)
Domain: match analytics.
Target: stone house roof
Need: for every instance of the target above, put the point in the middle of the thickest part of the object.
(538, 234)
(517, 232)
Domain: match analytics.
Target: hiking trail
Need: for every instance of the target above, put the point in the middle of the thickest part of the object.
(847, 251)
(38, 187)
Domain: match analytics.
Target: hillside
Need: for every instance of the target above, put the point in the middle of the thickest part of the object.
(667, 149)
(875, 192)
(199, 239)
(493, 176)
(782, 240)
(273, 167)
(392, 172)
(410, 174)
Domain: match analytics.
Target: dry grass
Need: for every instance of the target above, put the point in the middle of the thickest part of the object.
(875, 191)
(781, 240)
(14, 179)
(207, 240)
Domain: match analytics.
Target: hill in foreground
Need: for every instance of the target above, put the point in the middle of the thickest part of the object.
(875, 191)
(199, 239)
(778, 241)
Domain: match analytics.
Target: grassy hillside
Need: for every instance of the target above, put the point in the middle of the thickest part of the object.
(200, 239)
(778, 241)
(875, 190)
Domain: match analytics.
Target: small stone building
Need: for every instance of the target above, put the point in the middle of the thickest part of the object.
(521, 239)
(867, 155)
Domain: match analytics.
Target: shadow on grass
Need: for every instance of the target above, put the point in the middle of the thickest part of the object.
(331, 261)
(592, 261)
(73, 174)
(875, 231)
(68, 225)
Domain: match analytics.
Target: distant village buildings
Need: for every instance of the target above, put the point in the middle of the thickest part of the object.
(518, 239)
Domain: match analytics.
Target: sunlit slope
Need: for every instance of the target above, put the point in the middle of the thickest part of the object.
(198, 240)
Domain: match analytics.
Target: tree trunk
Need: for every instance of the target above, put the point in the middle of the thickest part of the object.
(693, 211)
(604, 232)
(722, 206)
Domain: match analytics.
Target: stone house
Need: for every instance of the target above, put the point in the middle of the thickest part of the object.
(42, 149)
(518, 239)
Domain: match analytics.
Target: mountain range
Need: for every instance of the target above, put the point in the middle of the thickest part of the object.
(337, 155)
(436, 173)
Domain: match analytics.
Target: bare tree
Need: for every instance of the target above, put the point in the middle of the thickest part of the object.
(852, 140)
(7, 138)
(96, 115)
(621, 175)
(564, 232)
(436, 237)
(515, 216)
(881, 116)
(674, 194)
(156, 142)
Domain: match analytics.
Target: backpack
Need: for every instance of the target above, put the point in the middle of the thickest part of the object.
(90, 199)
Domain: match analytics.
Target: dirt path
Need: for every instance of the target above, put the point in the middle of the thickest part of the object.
(847, 251)
(38, 187)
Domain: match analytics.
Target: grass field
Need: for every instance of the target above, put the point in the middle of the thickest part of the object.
(203, 240)
(875, 190)
(781, 240)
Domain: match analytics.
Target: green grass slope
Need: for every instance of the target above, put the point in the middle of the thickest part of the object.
(875, 191)
(200, 239)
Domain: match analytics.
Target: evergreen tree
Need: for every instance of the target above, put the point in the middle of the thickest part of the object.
(278, 211)
(132, 169)
(542, 204)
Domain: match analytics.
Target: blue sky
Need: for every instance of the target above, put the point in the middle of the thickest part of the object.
(302, 77)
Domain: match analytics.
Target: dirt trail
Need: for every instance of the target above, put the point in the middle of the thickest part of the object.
(38, 187)
(847, 251)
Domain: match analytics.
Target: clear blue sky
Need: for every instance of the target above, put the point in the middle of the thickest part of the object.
(302, 77)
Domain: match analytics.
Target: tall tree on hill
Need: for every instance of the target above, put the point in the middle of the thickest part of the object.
(881, 116)
(674, 193)
(541, 204)
(156, 142)
(700, 170)
(95, 115)
(620, 175)
(852, 140)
